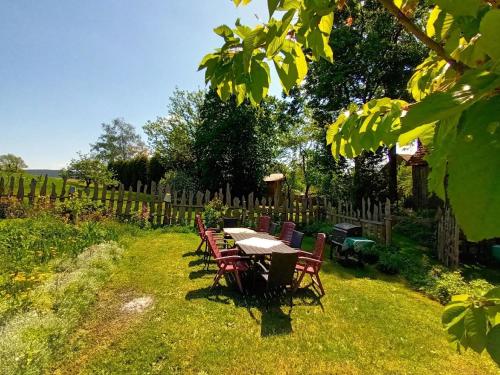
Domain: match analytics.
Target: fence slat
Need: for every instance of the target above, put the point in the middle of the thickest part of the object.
(31, 197)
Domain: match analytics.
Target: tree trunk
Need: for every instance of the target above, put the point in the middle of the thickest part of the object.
(393, 174)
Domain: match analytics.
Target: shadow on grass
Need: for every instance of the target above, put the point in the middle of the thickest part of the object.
(192, 254)
(197, 262)
(274, 318)
(201, 273)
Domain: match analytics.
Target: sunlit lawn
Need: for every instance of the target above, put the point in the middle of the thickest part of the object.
(366, 324)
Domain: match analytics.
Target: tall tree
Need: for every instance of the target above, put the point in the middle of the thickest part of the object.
(11, 163)
(362, 72)
(172, 137)
(119, 141)
(236, 144)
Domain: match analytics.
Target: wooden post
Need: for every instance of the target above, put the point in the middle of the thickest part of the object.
(137, 196)
(128, 206)
(53, 194)
(159, 207)
(2, 186)
(103, 194)
(43, 189)
(95, 196)
(20, 189)
(11, 186)
(112, 200)
(63, 190)
(119, 205)
(190, 208)
(31, 197)
(152, 202)
(388, 222)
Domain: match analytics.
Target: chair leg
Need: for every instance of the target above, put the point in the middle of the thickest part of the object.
(200, 245)
(238, 281)
(217, 278)
(299, 280)
(318, 281)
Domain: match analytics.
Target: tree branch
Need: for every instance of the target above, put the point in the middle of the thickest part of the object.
(419, 34)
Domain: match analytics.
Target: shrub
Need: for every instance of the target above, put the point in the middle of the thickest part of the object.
(390, 263)
(82, 208)
(213, 212)
(450, 283)
(139, 218)
(12, 208)
(370, 254)
(317, 227)
(417, 229)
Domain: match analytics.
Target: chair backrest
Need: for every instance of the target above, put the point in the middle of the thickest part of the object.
(264, 222)
(230, 222)
(319, 246)
(272, 228)
(287, 231)
(282, 269)
(212, 244)
(296, 241)
(200, 226)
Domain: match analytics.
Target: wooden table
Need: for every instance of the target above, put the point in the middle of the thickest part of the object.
(232, 231)
(259, 244)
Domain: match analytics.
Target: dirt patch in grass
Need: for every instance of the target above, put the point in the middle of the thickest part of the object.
(115, 313)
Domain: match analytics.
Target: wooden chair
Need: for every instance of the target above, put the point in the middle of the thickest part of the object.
(286, 232)
(296, 241)
(264, 223)
(311, 264)
(272, 228)
(279, 276)
(202, 232)
(230, 222)
(228, 261)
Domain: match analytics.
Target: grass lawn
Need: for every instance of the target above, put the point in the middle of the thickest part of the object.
(366, 323)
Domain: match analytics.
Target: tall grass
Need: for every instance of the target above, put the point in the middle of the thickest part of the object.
(32, 339)
(32, 248)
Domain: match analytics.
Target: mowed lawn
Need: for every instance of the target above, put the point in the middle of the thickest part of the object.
(366, 324)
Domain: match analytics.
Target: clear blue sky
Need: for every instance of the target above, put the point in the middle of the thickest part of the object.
(66, 66)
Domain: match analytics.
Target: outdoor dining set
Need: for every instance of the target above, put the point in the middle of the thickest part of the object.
(259, 257)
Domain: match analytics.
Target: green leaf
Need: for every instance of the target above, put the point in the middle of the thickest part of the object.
(423, 132)
(223, 31)
(493, 293)
(476, 152)
(259, 76)
(489, 29)
(473, 85)
(438, 158)
(493, 343)
(460, 7)
(475, 326)
(271, 6)
(452, 314)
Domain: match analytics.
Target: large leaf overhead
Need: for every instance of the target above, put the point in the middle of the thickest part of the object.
(455, 90)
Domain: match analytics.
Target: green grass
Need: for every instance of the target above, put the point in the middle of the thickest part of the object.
(366, 324)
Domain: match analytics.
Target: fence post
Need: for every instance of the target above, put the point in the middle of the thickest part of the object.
(31, 197)
(388, 222)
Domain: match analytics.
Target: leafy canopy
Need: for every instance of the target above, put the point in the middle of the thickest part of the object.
(455, 106)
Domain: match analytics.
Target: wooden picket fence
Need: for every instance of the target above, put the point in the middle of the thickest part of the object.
(166, 206)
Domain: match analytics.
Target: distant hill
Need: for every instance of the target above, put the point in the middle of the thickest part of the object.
(43, 172)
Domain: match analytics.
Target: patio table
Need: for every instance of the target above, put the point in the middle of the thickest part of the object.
(232, 231)
(260, 244)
